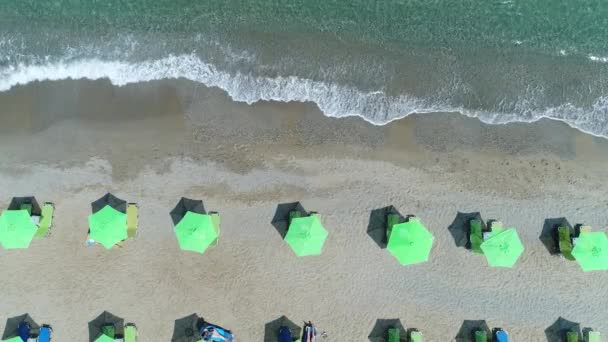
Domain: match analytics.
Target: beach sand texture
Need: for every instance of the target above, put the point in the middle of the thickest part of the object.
(70, 142)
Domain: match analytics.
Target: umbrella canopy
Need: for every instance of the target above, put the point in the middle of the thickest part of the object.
(410, 242)
(11, 329)
(104, 338)
(16, 229)
(185, 205)
(96, 326)
(271, 329)
(186, 329)
(108, 226)
(14, 339)
(195, 232)
(503, 249)
(306, 235)
(112, 201)
(17, 202)
(591, 251)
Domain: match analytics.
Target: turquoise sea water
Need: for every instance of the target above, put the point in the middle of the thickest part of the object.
(501, 61)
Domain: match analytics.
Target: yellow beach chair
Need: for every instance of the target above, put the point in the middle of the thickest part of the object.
(132, 219)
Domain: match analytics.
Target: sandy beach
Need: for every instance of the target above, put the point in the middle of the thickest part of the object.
(70, 142)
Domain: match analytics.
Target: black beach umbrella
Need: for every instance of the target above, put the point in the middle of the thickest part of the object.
(549, 236)
(461, 226)
(183, 206)
(557, 331)
(379, 332)
(105, 319)
(186, 329)
(112, 201)
(468, 329)
(11, 329)
(17, 202)
(280, 221)
(271, 329)
(376, 228)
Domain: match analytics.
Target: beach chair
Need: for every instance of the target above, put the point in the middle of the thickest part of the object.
(572, 336)
(416, 336)
(46, 219)
(130, 332)
(23, 330)
(481, 336)
(214, 333)
(310, 333)
(215, 218)
(44, 333)
(109, 330)
(391, 220)
(26, 206)
(594, 336)
(293, 214)
(501, 335)
(132, 219)
(565, 242)
(393, 335)
(476, 236)
(285, 335)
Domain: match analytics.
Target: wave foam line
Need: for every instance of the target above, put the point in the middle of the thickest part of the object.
(333, 100)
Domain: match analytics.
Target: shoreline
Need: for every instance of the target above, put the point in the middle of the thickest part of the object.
(163, 140)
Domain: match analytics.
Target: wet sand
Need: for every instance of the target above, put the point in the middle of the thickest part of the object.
(70, 142)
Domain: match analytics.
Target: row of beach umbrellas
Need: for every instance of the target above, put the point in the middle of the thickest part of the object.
(407, 239)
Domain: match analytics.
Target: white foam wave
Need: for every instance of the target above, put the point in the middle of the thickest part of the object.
(598, 59)
(334, 100)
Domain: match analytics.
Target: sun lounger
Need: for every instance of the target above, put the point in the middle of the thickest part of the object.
(109, 330)
(594, 336)
(46, 219)
(294, 214)
(214, 333)
(44, 333)
(130, 333)
(501, 336)
(132, 219)
(571, 336)
(565, 242)
(391, 220)
(285, 335)
(476, 236)
(26, 206)
(23, 329)
(416, 336)
(393, 335)
(215, 218)
(585, 229)
(310, 333)
(481, 336)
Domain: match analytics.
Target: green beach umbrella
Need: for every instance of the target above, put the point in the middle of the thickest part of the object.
(410, 242)
(13, 339)
(195, 232)
(16, 229)
(306, 235)
(503, 249)
(104, 338)
(591, 251)
(108, 226)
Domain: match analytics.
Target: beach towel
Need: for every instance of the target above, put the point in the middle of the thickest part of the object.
(214, 333)
(310, 333)
(285, 335)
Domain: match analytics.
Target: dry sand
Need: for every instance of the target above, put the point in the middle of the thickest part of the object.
(70, 142)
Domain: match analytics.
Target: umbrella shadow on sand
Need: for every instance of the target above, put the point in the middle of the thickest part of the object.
(186, 329)
(271, 329)
(112, 201)
(557, 331)
(379, 332)
(280, 221)
(376, 228)
(185, 205)
(11, 329)
(468, 329)
(17, 202)
(549, 237)
(97, 325)
(461, 228)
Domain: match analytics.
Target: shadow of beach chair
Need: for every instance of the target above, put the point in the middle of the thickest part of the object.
(44, 334)
(564, 235)
(46, 219)
(130, 333)
(132, 219)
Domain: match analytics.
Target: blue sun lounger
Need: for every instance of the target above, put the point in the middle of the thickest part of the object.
(214, 333)
(44, 334)
(23, 329)
(501, 336)
(285, 335)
